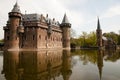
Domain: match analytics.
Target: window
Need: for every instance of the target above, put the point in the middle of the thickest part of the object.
(33, 37)
(7, 37)
(39, 36)
(45, 37)
(16, 37)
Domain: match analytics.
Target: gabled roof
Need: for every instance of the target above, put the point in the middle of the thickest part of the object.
(16, 8)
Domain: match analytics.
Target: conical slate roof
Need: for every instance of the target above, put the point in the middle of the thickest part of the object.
(16, 8)
(98, 24)
(65, 19)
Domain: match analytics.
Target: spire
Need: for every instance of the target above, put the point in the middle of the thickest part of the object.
(16, 8)
(65, 19)
(98, 24)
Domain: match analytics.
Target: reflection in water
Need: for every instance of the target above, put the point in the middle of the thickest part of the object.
(61, 65)
(43, 65)
(110, 55)
(96, 57)
(100, 62)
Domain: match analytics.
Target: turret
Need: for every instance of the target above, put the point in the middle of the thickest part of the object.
(12, 37)
(65, 25)
(99, 34)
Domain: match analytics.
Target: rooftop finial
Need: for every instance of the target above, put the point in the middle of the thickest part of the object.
(16, 4)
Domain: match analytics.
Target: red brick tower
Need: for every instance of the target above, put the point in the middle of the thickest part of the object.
(99, 34)
(65, 25)
(11, 30)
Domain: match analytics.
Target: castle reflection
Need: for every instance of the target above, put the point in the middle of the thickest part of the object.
(43, 65)
(57, 65)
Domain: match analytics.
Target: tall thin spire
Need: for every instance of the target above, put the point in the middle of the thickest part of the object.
(16, 8)
(65, 19)
(98, 24)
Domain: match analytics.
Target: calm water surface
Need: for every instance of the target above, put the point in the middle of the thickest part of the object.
(60, 65)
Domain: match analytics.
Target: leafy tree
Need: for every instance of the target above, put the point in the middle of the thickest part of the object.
(88, 39)
(112, 35)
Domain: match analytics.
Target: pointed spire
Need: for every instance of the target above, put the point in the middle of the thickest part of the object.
(16, 8)
(98, 24)
(65, 19)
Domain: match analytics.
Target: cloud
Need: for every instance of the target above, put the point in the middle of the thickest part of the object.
(54, 8)
(113, 11)
(81, 13)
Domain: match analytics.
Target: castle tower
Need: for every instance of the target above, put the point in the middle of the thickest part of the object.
(99, 34)
(65, 25)
(11, 32)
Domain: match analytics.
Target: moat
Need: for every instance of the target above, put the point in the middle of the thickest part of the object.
(60, 65)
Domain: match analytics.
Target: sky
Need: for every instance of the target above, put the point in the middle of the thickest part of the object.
(82, 14)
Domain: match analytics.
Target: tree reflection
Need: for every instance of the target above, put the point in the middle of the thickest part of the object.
(96, 57)
(43, 65)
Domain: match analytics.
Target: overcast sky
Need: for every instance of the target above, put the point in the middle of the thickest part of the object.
(82, 14)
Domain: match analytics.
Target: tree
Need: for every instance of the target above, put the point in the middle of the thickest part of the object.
(88, 39)
(112, 35)
(72, 33)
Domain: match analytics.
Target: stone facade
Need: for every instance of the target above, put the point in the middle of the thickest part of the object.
(34, 31)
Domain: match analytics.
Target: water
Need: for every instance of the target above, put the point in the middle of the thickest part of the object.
(60, 65)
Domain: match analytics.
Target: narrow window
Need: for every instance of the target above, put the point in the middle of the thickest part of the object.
(16, 37)
(39, 36)
(45, 37)
(7, 37)
(33, 37)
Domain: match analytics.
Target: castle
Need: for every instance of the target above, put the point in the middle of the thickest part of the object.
(34, 31)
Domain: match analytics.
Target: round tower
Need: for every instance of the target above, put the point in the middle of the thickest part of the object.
(99, 35)
(65, 25)
(15, 19)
